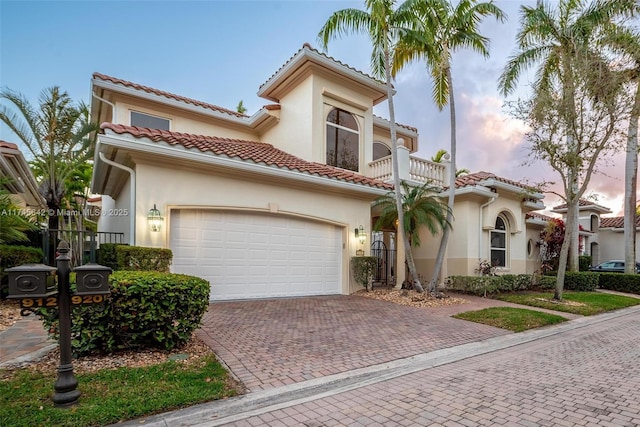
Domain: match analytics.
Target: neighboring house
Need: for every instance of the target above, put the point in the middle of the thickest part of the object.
(611, 239)
(21, 185)
(266, 205)
(593, 239)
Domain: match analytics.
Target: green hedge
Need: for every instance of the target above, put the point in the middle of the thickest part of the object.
(490, 285)
(106, 255)
(363, 268)
(629, 283)
(583, 281)
(134, 258)
(13, 256)
(584, 262)
(146, 309)
(138, 258)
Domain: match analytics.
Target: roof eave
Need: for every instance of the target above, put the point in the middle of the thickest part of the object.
(491, 182)
(115, 87)
(144, 145)
(304, 55)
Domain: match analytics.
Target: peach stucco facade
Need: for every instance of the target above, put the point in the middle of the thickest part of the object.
(274, 164)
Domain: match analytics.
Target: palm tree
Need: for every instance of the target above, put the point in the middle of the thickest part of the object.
(383, 25)
(443, 154)
(559, 40)
(421, 209)
(13, 224)
(59, 137)
(627, 43)
(442, 29)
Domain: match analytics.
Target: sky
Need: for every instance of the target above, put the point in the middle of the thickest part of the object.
(220, 52)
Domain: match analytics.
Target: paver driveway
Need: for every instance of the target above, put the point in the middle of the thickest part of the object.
(270, 343)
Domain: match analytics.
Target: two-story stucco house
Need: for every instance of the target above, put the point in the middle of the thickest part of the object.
(266, 205)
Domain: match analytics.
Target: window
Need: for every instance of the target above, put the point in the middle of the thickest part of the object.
(380, 150)
(343, 140)
(499, 243)
(529, 247)
(146, 121)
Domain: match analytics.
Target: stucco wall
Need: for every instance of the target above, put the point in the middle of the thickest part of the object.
(469, 242)
(197, 188)
(181, 121)
(611, 245)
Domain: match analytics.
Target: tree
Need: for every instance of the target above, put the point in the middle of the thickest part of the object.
(571, 70)
(240, 108)
(442, 29)
(443, 154)
(383, 25)
(626, 42)
(58, 136)
(13, 223)
(572, 143)
(421, 207)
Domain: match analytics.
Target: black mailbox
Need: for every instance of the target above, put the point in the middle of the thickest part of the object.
(31, 281)
(92, 279)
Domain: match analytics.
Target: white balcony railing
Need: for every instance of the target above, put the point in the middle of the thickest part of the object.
(411, 169)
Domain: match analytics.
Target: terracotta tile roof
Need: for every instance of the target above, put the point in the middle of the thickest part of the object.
(582, 202)
(250, 151)
(6, 144)
(167, 95)
(477, 177)
(307, 46)
(411, 128)
(616, 222)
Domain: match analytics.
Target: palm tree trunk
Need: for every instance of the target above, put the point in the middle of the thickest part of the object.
(452, 189)
(396, 175)
(631, 174)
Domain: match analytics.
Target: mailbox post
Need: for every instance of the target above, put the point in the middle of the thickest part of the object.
(66, 392)
(33, 285)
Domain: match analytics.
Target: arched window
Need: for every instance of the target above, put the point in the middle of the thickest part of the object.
(499, 242)
(594, 223)
(380, 150)
(343, 140)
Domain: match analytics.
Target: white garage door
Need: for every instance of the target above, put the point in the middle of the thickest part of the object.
(247, 255)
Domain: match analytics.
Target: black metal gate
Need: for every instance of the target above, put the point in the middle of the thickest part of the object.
(385, 270)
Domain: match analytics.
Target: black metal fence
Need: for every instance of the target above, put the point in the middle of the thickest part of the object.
(385, 269)
(83, 244)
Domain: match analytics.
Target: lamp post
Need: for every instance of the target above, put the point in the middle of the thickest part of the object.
(66, 392)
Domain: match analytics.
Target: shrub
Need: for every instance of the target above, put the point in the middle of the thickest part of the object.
(580, 281)
(584, 262)
(106, 255)
(489, 285)
(629, 283)
(363, 268)
(13, 256)
(545, 282)
(145, 310)
(138, 258)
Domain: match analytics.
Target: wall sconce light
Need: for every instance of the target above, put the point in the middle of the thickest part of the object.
(154, 219)
(360, 234)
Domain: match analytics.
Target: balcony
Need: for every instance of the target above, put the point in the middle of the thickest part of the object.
(412, 169)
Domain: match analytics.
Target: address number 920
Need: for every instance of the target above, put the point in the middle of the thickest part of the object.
(52, 301)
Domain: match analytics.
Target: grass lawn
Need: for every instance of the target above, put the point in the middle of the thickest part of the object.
(111, 395)
(583, 303)
(513, 319)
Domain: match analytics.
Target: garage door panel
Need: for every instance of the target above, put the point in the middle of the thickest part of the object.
(246, 255)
